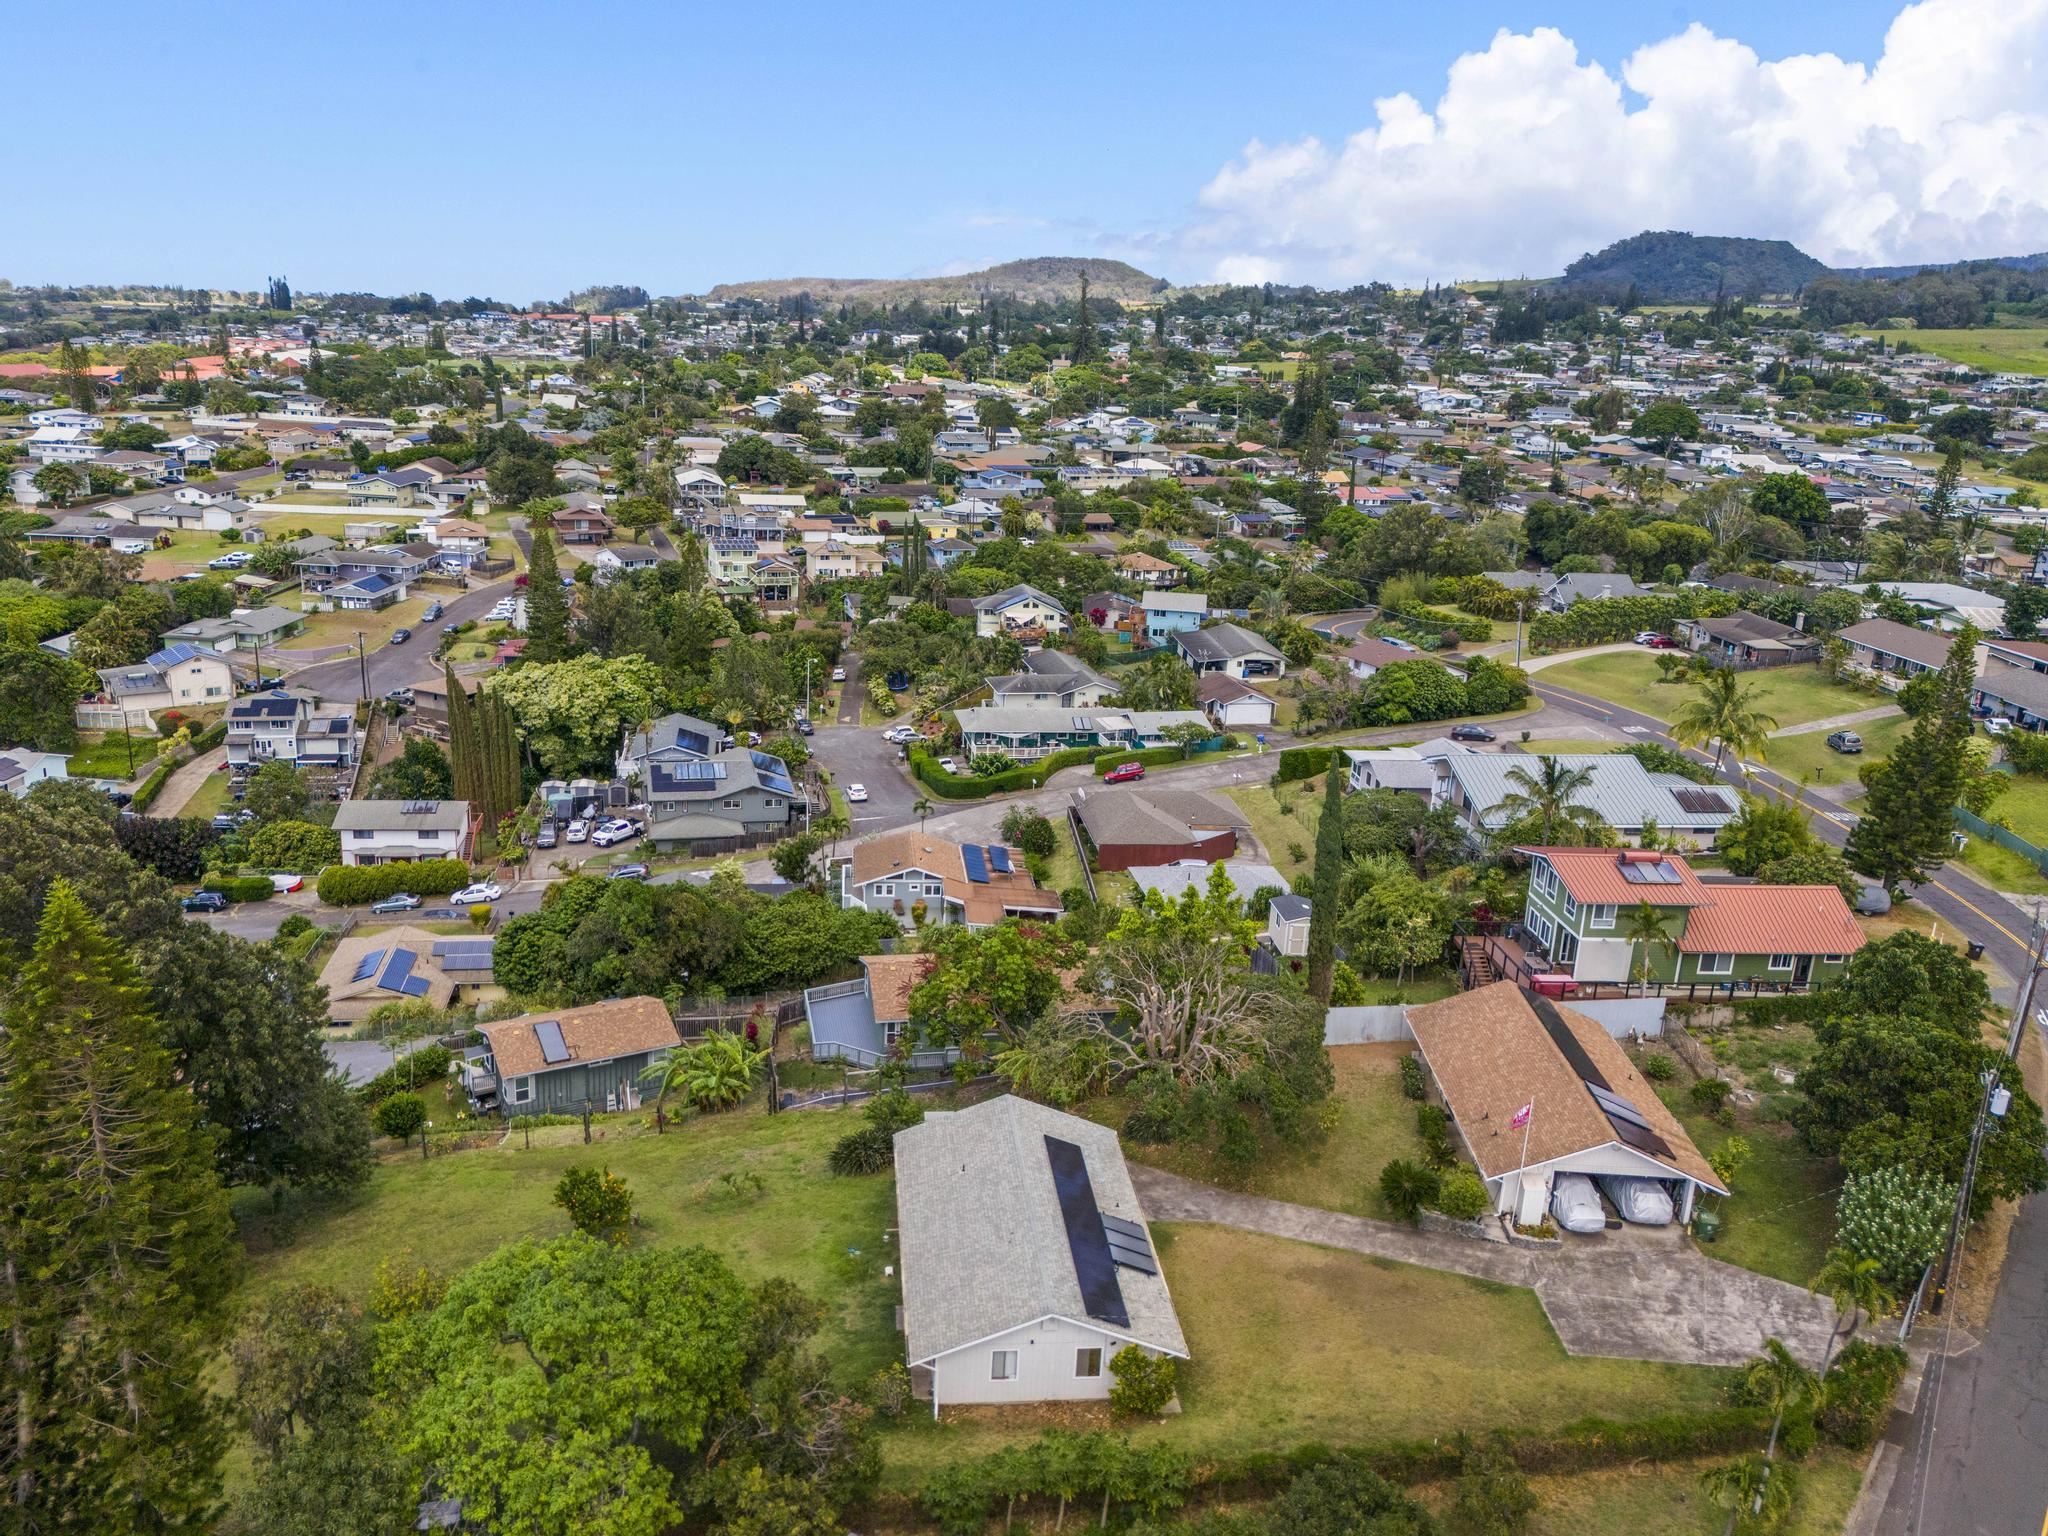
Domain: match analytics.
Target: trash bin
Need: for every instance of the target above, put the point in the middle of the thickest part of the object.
(1976, 951)
(1706, 1225)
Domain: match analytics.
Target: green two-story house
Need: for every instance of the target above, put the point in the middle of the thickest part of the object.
(1580, 921)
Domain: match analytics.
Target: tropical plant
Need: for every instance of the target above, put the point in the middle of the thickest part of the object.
(1408, 1187)
(1757, 1494)
(1546, 796)
(716, 1073)
(1856, 1286)
(1643, 926)
(399, 1116)
(1723, 710)
(1894, 1218)
(597, 1200)
(1141, 1383)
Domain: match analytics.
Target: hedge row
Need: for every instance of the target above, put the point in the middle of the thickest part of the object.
(1471, 631)
(152, 786)
(343, 885)
(211, 737)
(422, 1069)
(1151, 757)
(957, 786)
(1302, 763)
(242, 887)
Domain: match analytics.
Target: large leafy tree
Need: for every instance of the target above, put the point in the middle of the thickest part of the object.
(116, 1248)
(39, 693)
(576, 712)
(1163, 682)
(1907, 820)
(988, 981)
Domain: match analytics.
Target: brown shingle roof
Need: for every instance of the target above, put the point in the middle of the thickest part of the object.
(891, 980)
(983, 901)
(624, 1026)
(1490, 1055)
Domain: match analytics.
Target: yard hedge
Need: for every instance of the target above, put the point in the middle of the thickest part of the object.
(1602, 621)
(954, 786)
(344, 885)
(407, 1074)
(1302, 763)
(1151, 757)
(211, 737)
(242, 887)
(152, 786)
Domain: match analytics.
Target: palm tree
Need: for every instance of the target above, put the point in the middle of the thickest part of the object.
(921, 808)
(715, 1073)
(1724, 711)
(1547, 794)
(1643, 927)
(1856, 1286)
(1754, 1499)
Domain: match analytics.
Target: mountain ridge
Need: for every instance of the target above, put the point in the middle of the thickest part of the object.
(1031, 278)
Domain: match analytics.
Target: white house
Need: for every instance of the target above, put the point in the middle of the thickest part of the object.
(398, 831)
(1020, 607)
(1027, 1263)
(22, 768)
(62, 445)
(179, 676)
(1287, 925)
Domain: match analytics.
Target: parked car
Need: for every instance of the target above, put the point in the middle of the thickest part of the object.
(223, 822)
(404, 901)
(205, 901)
(1645, 636)
(579, 831)
(400, 635)
(805, 728)
(472, 895)
(546, 837)
(433, 612)
(1643, 1202)
(839, 674)
(949, 765)
(449, 629)
(856, 794)
(628, 872)
(1998, 725)
(1656, 640)
(1470, 733)
(613, 832)
(400, 696)
(1845, 741)
(1576, 1204)
(1124, 773)
(232, 561)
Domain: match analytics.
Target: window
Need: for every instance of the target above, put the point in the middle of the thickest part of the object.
(1781, 962)
(1087, 1362)
(885, 890)
(521, 1090)
(429, 835)
(1546, 876)
(361, 836)
(1542, 927)
(1716, 965)
(1600, 916)
(1571, 906)
(1830, 959)
(1002, 1365)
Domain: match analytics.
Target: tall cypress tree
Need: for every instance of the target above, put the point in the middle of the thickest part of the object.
(1908, 818)
(1084, 328)
(116, 1250)
(1329, 873)
(464, 757)
(547, 606)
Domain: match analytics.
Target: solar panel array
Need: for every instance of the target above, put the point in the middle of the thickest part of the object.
(1094, 1267)
(398, 976)
(1700, 801)
(999, 856)
(694, 772)
(977, 867)
(419, 808)
(554, 1050)
(774, 773)
(1130, 1245)
(1628, 1121)
(693, 741)
(464, 954)
(1662, 872)
(367, 966)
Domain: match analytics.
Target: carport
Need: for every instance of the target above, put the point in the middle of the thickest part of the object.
(1499, 1050)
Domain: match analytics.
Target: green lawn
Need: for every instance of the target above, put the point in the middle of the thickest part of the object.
(1064, 867)
(824, 1232)
(1793, 695)
(1664, 1499)
(107, 758)
(1561, 746)
(210, 799)
(339, 627)
(1990, 348)
(1280, 832)
(2004, 870)
(1291, 1343)
(2024, 808)
(1807, 757)
(1375, 1124)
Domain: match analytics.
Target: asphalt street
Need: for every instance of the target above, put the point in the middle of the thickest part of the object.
(397, 666)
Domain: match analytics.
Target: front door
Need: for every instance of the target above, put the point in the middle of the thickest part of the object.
(1566, 947)
(1802, 970)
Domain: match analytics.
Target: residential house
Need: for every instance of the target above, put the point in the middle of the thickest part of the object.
(1368, 653)
(1620, 790)
(1148, 570)
(674, 738)
(1233, 705)
(246, 629)
(615, 560)
(698, 489)
(2018, 694)
(1893, 650)
(1022, 607)
(389, 487)
(717, 803)
(375, 966)
(176, 677)
(1141, 826)
(1052, 678)
(1166, 614)
(574, 1060)
(776, 580)
(832, 560)
(1497, 1055)
(1232, 650)
(1716, 933)
(587, 525)
(860, 1022)
(62, 445)
(1587, 587)
(1402, 769)
(22, 768)
(974, 884)
(1948, 607)
(326, 571)
(1027, 1264)
(290, 725)
(1747, 640)
(399, 831)
(1287, 923)
(2028, 655)
(1027, 732)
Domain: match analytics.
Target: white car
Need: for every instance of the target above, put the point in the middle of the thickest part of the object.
(1576, 1204)
(1998, 725)
(856, 794)
(1646, 636)
(614, 832)
(472, 895)
(579, 832)
(1643, 1202)
(949, 765)
(839, 674)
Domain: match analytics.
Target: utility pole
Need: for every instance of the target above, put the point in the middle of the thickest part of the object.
(363, 662)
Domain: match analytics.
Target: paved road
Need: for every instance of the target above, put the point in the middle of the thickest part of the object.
(1343, 627)
(860, 756)
(397, 666)
(852, 690)
(185, 781)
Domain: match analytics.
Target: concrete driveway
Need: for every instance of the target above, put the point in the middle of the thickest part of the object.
(1626, 1300)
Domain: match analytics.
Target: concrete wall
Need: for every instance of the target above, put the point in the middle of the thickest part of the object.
(1366, 1026)
(1621, 1016)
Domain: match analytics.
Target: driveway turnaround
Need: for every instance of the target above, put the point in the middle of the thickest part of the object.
(1621, 1299)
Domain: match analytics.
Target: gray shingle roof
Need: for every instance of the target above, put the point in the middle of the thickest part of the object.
(1622, 791)
(984, 1244)
(1224, 642)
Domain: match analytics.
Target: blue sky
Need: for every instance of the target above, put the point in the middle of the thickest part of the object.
(520, 150)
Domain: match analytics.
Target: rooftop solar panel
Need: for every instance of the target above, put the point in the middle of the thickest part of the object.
(999, 857)
(396, 970)
(696, 771)
(1701, 801)
(367, 966)
(1101, 1296)
(1130, 1245)
(977, 868)
(553, 1048)
(1662, 872)
(693, 741)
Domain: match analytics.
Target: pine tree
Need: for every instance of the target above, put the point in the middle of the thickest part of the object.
(1941, 502)
(1084, 328)
(116, 1250)
(500, 784)
(547, 606)
(1329, 874)
(465, 758)
(1907, 820)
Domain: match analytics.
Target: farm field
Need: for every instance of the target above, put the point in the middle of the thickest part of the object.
(1990, 348)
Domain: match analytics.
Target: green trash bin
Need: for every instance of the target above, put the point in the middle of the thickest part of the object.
(1706, 1225)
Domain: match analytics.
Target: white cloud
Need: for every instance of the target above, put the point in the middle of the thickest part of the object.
(1532, 155)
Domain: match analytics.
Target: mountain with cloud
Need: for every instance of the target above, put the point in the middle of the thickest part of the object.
(1034, 279)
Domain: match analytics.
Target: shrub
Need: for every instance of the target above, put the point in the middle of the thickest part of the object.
(1030, 831)
(892, 1112)
(1710, 1094)
(242, 887)
(1151, 757)
(989, 765)
(399, 1116)
(1412, 1083)
(925, 768)
(346, 885)
(867, 1150)
(1658, 1069)
(1898, 1217)
(1302, 763)
(1408, 1187)
(426, 1065)
(1433, 1125)
(1494, 1497)
(1143, 1384)
(152, 786)
(1857, 1393)
(597, 1200)
(1462, 1195)
(294, 925)
(1658, 758)
(303, 847)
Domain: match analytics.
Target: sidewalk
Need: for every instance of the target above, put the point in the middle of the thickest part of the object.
(183, 784)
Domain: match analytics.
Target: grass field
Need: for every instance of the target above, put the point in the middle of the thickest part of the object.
(1561, 746)
(1279, 832)
(1792, 695)
(1989, 348)
(210, 799)
(107, 758)
(339, 627)
(1808, 758)
(1340, 1348)
(2024, 808)
(1653, 1499)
